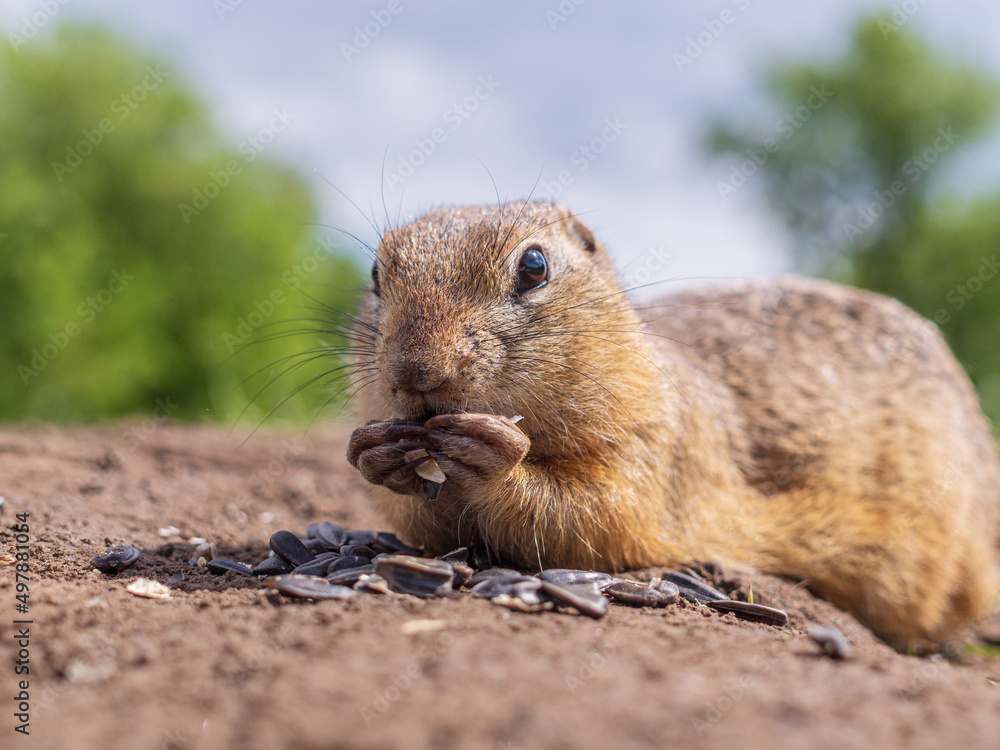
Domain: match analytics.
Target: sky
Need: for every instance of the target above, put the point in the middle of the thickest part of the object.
(597, 105)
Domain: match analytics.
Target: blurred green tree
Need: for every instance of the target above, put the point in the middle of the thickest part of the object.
(851, 168)
(146, 262)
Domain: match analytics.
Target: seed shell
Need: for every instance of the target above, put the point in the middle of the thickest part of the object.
(636, 595)
(116, 558)
(751, 612)
(220, 565)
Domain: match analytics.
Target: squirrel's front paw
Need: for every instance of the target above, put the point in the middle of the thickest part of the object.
(475, 449)
(472, 450)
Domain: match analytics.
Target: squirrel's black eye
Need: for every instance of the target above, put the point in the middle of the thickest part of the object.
(375, 288)
(532, 270)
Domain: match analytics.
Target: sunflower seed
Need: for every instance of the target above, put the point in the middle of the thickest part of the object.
(386, 542)
(488, 588)
(375, 584)
(316, 546)
(527, 591)
(330, 534)
(347, 563)
(290, 547)
(667, 588)
(318, 567)
(116, 558)
(694, 589)
(832, 641)
(637, 595)
(584, 598)
(220, 565)
(484, 575)
(519, 605)
(363, 537)
(751, 612)
(350, 576)
(568, 576)
(308, 587)
(272, 566)
(414, 575)
(428, 468)
(357, 550)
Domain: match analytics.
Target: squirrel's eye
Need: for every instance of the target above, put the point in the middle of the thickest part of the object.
(376, 287)
(532, 270)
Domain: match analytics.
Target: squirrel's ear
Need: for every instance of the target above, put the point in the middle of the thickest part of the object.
(584, 234)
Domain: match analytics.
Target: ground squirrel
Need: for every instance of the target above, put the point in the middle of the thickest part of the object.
(799, 427)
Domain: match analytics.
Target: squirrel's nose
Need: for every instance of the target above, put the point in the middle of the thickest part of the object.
(415, 376)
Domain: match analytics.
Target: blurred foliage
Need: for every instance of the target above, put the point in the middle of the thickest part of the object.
(114, 297)
(853, 177)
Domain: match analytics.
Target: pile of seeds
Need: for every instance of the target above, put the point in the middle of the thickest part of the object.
(331, 562)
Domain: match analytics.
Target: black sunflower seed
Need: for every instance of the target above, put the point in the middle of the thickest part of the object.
(386, 542)
(751, 612)
(309, 587)
(668, 589)
(350, 576)
(494, 586)
(637, 595)
(272, 566)
(694, 589)
(116, 558)
(357, 550)
(318, 566)
(363, 537)
(347, 563)
(584, 598)
(220, 565)
(316, 546)
(290, 547)
(416, 575)
(483, 575)
(330, 534)
(568, 576)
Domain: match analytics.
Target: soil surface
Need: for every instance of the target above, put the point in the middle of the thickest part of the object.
(223, 664)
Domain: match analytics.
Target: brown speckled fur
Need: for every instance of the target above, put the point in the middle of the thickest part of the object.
(797, 426)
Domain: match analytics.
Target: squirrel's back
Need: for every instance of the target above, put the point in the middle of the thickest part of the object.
(862, 435)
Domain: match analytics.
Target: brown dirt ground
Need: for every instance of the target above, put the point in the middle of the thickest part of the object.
(223, 665)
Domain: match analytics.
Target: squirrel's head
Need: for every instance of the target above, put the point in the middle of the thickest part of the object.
(492, 309)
